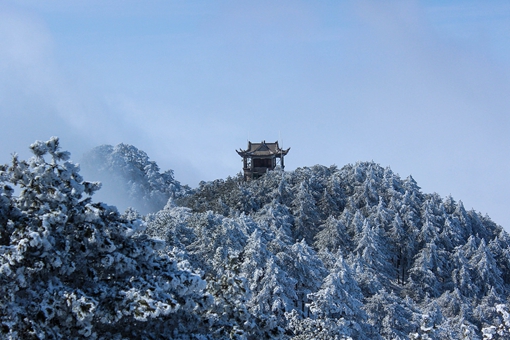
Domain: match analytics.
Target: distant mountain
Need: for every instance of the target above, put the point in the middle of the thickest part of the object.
(316, 253)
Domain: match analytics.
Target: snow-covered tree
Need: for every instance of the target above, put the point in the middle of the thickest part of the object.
(306, 215)
(333, 234)
(390, 316)
(319, 252)
(70, 268)
(486, 272)
(427, 272)
(338, 303)
(135, 179)
(304, 266)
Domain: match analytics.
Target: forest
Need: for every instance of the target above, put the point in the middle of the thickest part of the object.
(320, 252)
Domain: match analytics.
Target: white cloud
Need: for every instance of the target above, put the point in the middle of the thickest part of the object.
(419, 87)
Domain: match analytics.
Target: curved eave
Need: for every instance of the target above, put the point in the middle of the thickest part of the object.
(269, 153)
(242, 153)
(283, 152)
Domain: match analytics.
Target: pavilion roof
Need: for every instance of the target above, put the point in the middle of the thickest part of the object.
(262, 149)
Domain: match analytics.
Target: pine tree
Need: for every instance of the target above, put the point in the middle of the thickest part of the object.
(71, 268)
(462, 275)
(487, 273)
(306, 215)
(390, 316)
(333, 234)
(305, 267)
(465, 222)
(372, 255)
(127, 170)
(427, 271)
(339, 298)
(402, 245)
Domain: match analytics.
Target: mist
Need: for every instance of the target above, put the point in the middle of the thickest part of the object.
(418, 86)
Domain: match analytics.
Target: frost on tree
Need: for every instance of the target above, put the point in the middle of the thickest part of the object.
(70, 268)
(316, 253)
(422, 267)
(127, 170)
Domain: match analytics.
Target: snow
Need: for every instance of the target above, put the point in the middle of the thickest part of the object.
(320, 252)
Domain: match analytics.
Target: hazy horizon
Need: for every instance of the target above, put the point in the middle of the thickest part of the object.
(419, 86)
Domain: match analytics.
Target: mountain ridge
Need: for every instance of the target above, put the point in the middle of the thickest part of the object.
(319, 252)
(392, 236)
(395, 238)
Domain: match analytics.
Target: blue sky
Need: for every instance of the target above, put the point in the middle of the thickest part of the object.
(420, 86)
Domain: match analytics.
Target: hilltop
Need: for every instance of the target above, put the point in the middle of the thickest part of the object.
(318, 252)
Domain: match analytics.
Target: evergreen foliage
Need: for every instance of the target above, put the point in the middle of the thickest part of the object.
(418, 266)
(70, 268)
(316, 253)
(135, 178)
